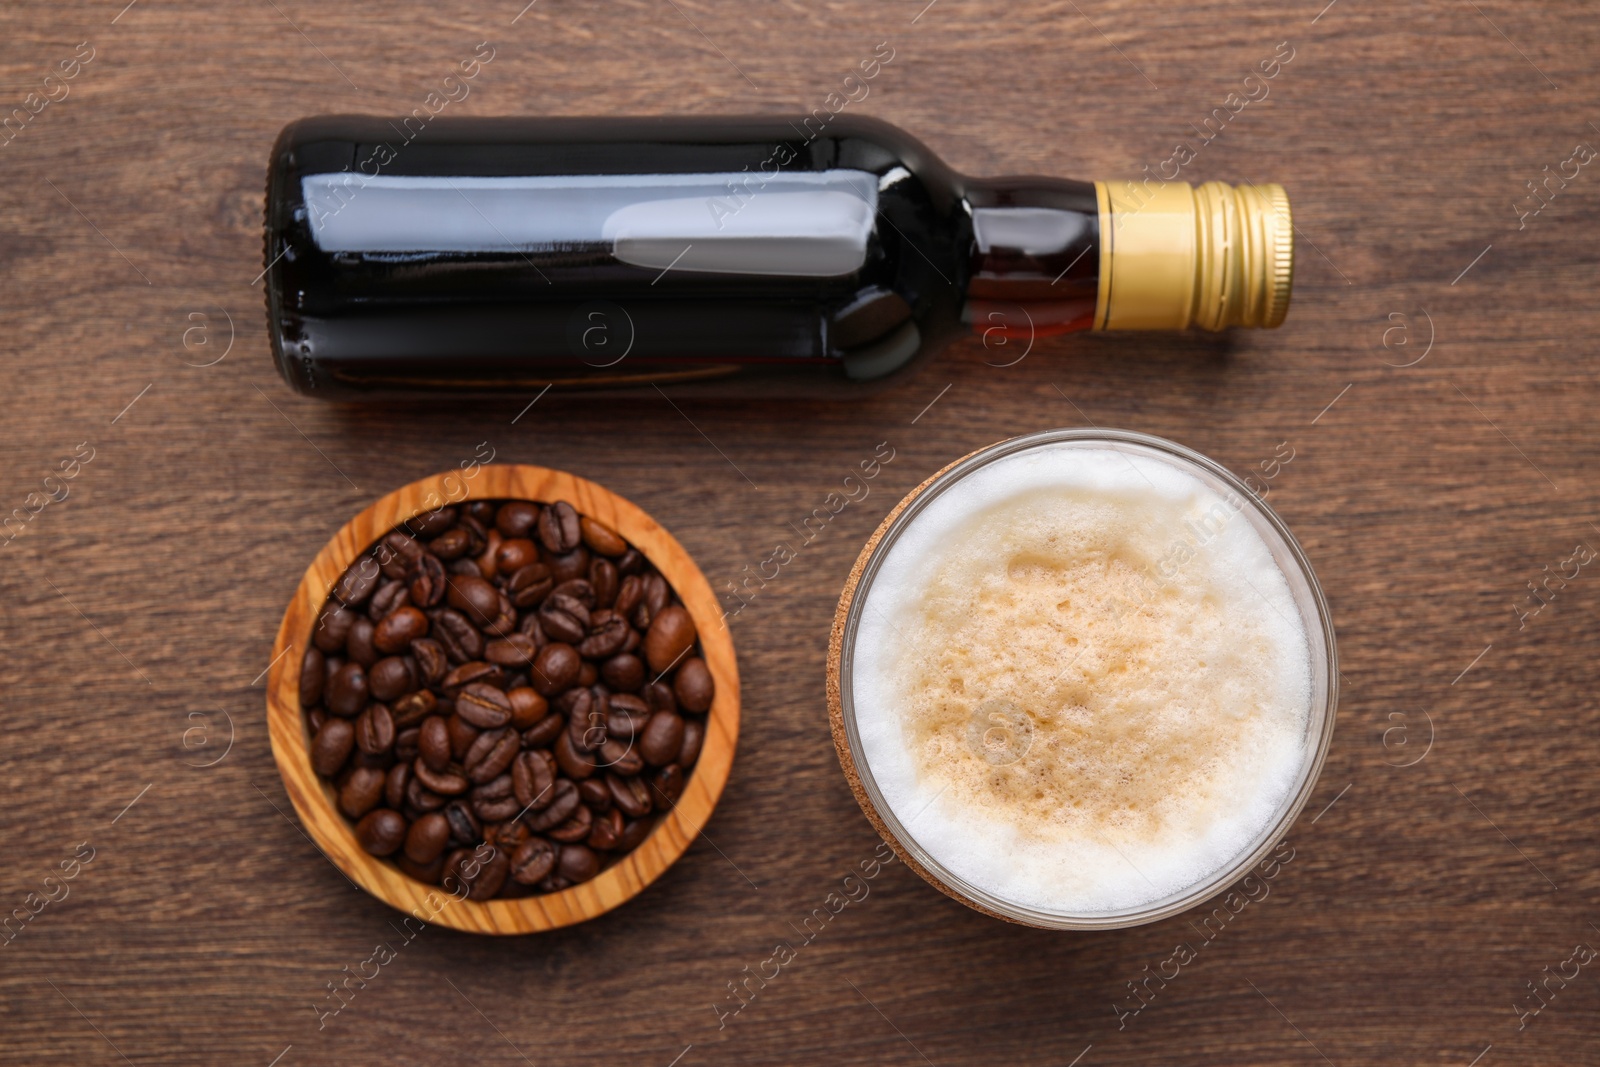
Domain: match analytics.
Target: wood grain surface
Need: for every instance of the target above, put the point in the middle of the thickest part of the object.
(1434, 380)
(316, 801)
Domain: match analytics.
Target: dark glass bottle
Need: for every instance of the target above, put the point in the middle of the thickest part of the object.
(729, 256)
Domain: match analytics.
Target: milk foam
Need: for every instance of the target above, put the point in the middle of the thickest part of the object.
(1069, 697)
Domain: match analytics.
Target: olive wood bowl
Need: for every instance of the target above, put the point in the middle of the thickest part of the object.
(314, 799)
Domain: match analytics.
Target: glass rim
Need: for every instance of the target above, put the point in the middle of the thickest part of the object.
(1317, 746)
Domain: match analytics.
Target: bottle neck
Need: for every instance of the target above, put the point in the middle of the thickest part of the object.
(1053, 256)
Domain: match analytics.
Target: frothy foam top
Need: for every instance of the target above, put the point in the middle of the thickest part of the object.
(1080, 680)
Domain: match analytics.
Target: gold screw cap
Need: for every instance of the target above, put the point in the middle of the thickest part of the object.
(1174, 256)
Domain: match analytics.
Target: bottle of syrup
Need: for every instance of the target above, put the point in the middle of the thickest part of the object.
(732, 256)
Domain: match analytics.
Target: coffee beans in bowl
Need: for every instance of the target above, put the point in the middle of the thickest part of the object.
(505, 698)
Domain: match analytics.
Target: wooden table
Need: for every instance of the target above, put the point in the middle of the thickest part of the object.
(1432, 381)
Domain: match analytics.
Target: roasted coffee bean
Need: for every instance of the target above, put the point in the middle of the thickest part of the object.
(652, 601)
(390, 596)
(375, 730)
(620, 756)
(413, 707)
(694, 738)
(312, 674)
(476, 671)
(394, 785)
(607, 633)
(431, 524)
(491, 754)
(657, 593)
(623, 672)
(515, 554)
(527, 706)
(488, 560)
(347, 691)
(534, 861)
(358, 646)
(396, 553)
(433, 743)
(564, 618)
(314, 720)
(391, 676)
(574, 829)
(504, 624)
(462, 568)
(461, 640)
(553, 884)
(482, 512)
(603, 577)
(358, 582)
(491, 877)
(555, 668)
(333, 627)
(530, 584)
(577, 863)
(331, 746)
(575, 698)
(559, 527)
(630, 704)
(517, 650)
(452, 544)
(630, 593)
(427, 580)
(662, 739)
(496, 800)
(399, 629)
(623, 721)
(426, 873)
(449, 782)
(381, 832)
(574, 763)
(508, 835)
(545, 731)
(569, 566)
(476, 529)
(595, 795)
(431, 660)
(634, 831)
(578, 589)
(483, 706)
(420, 797)
(666, 786)
(630, 562)
(475, 598)
(516, 518)
(631, 645)
(692, 685)
(607, 831)
(330, 667)
(603, 539)
(405, 741)
(670, 637)
(362, 791)
(427, 838)
(585, 722)
(563, 802)
(465, 829)
(462, 734)
(532, 776)
(658, 695)
(588, 674)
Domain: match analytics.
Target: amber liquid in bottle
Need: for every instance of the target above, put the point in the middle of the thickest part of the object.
(732, 256)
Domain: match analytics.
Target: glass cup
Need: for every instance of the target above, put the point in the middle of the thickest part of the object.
(1303, 587)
